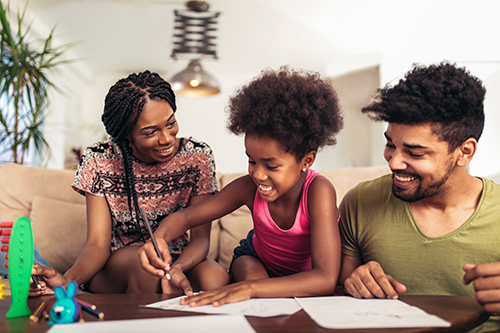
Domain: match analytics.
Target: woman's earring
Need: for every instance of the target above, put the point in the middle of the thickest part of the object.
(304, 170)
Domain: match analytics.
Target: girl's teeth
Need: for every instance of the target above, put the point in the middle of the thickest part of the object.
(265, 188)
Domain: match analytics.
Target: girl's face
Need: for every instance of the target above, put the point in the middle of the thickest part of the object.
(153, 138)
(276, 172)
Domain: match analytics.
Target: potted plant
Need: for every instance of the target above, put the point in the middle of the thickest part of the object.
(24, 84)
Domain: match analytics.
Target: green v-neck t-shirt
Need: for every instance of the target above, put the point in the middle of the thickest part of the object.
(375, 225)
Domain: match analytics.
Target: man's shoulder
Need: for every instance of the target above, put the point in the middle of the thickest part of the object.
(491, 188)
(376, 186)
(370, 191)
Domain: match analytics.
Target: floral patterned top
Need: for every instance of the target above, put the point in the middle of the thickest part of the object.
(162, 188)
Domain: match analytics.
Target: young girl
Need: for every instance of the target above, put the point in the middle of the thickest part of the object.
(294, 248)
(143, 165)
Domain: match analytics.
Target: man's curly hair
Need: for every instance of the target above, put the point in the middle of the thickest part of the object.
(444, 95)
(297, 108)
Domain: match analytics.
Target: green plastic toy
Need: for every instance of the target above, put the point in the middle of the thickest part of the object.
(20, 265)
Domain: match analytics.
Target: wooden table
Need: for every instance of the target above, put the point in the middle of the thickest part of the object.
(463, 312)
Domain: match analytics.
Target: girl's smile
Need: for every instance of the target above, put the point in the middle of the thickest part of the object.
(276, 173)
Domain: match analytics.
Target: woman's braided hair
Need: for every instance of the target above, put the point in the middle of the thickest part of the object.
(122, 108)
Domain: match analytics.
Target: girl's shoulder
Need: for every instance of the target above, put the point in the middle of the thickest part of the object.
(315, 179)
(320, 188)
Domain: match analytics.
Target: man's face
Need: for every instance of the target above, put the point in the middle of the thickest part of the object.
(419, 160)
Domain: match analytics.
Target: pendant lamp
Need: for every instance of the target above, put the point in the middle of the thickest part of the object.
(194, 81)
(194, 38)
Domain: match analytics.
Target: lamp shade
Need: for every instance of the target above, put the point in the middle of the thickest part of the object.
(194, 81)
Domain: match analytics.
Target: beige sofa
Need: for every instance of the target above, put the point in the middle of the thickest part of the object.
(58, 213)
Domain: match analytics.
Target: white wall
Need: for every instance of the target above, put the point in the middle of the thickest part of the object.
(206, 119)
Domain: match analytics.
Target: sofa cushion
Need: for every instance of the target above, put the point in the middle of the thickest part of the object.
(20, 183)
(59, 230)
(343, 179)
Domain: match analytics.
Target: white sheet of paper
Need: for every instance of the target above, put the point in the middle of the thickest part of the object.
(206, 324)
(347, 312)
(255, 307)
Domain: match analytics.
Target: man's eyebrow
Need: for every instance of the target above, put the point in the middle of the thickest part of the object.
(407, 145)
(410, 146)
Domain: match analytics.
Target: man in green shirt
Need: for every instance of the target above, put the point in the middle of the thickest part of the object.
(419, 229)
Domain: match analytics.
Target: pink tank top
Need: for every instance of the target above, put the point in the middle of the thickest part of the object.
(283, 252)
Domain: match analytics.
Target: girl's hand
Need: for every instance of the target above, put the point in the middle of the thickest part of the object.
(48, 279)
(150, 261)
(178, 283)
(233, 293)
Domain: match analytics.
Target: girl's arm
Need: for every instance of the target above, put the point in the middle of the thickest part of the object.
(325, 253)
(239, 192)
(94, 254)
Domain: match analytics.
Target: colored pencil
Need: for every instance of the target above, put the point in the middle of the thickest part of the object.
(92, 306)
(96, 313)
(81, 316)
(38, 313)
(47, 309)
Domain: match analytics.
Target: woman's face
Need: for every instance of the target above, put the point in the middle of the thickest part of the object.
(153, 138)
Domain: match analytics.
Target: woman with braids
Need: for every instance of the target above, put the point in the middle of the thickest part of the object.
(142, 166)
(294, 248)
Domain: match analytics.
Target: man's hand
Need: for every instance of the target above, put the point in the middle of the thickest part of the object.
(150, 261)
(369, 281)
(485, 279)
(48, 279)
(178, 283)
(236, 292)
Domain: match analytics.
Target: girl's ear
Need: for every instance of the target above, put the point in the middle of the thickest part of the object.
(71, 290)
(59, 292)
(308, 160)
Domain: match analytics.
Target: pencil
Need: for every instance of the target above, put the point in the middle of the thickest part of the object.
(81, 316)
(47, 309)
(38, 313)
(96, 313)
(35, 280)
(92, 306)
(153, 239)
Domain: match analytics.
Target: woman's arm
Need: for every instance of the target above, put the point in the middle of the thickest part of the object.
(97, 249)
(237, 193)
(93, 256)
(325, 255)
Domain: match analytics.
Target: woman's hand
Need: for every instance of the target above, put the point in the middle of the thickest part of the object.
(233, 293)
(150, 261)
(48, 279)
(178, 283)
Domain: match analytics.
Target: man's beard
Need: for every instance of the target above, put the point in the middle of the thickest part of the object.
(421, 193)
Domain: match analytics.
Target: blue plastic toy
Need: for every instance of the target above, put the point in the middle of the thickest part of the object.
(65, 310)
